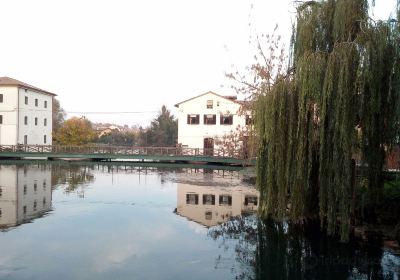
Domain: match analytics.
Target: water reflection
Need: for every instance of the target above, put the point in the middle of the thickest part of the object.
(210, 206)
(26, 189)
(72, 177)
(25, 194)
(270, 250)
(120, 224)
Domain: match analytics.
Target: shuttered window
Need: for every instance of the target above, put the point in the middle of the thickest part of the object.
(192, 198)
(250, 200)
(208, 199)
(226, 119)
(193, 119)
(225, 200)
(210, 119)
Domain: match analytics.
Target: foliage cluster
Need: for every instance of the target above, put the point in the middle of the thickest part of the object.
(75, 131)
(163, 131)
(58, 115)
(118, 138)
(339, 100)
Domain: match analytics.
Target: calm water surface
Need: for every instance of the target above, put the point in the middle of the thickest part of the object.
(76, 221)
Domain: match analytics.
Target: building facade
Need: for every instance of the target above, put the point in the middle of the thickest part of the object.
(25, 113)
(205, 118)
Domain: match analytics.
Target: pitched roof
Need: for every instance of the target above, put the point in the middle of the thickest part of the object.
(230, 98)
(7, 81)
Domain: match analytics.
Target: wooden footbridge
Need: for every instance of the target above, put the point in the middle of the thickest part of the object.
(145, 154)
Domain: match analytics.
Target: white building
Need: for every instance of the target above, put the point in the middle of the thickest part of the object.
(207, 117)
(25, 194)
(25, 113)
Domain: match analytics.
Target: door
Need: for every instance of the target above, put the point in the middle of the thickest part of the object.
(208, 146)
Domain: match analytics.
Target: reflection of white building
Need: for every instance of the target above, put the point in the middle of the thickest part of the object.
(25, 193)
(210, 206)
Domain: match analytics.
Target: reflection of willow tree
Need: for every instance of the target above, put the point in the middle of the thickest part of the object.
(72, 176)
(269, 250)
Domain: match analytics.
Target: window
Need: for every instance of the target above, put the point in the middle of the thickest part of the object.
(45, 104)
(225, 200)
(1, 98)
(35, 187)
(250, 200)
(34, 205)
(208, 215)
(208, 199)
(209, 104)
(192, 198)
(45, 122)
(25, 139)
(24, 209)
(45, 139)
(1, 213)
(1, 119)
(44, 185)
(1, 192)
(36, 102)
(193, 119)
(36, 121)
(226, 119)
(249, 120)
(25, 189)
(44, 201)
(26, 100)
(210, 119)
(26, 120)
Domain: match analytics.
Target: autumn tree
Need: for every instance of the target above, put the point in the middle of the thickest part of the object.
(75, 131)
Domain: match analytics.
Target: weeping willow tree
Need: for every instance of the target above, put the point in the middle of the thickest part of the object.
(339, 102)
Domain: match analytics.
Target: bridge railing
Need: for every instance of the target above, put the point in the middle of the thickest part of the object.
(121, 150)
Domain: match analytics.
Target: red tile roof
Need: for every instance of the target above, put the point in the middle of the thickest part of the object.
(7, 81)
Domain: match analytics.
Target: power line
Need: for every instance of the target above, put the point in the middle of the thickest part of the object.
(73, 112)
(101, 113)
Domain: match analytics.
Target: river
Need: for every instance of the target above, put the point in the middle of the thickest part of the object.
(121, 221)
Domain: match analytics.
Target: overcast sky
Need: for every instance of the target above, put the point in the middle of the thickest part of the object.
(123, 55)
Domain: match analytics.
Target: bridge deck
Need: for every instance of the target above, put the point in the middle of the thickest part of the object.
(159, 154)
